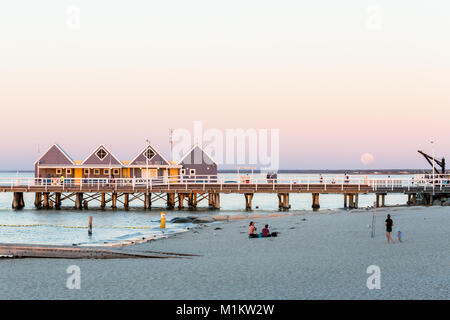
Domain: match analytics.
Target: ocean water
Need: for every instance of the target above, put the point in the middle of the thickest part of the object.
(61, 226)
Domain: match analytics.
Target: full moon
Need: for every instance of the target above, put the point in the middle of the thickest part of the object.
(367, 158)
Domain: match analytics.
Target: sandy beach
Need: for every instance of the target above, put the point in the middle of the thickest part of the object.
(321, 255)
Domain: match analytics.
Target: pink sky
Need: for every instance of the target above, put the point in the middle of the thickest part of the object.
(335, 88)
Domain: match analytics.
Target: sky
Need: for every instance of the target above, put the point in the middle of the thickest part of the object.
(338, 79)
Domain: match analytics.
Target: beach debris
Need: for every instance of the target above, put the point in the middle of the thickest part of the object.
(303, 219)
(68, 252)
(170, 253)
(217, 228)
(292, 228)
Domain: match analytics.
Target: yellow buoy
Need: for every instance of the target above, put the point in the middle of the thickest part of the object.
(163, 220)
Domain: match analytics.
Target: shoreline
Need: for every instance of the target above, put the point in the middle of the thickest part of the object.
(216, 219)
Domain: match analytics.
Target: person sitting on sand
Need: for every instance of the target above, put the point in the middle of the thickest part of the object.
(252, 230)
(389, 224)
(266, 233)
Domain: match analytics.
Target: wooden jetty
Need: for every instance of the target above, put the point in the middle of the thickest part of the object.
(181, 192)
(149, 176)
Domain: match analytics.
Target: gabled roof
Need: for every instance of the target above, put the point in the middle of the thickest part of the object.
(55, 155)
(141, 159)
(93, 159)
(196, 146)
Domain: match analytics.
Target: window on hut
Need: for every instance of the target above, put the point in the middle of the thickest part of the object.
(149, 154)
(101, 154)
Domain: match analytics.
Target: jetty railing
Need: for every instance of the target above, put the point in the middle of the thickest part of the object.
(406, 183)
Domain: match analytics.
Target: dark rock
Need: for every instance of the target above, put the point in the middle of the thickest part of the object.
(204, 220)
(181, 220)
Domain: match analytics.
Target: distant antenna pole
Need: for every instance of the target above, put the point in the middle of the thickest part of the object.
(110, 163)
(147, 142)
(432, 152)
(171, 139)
(39, 162)
(374, 217)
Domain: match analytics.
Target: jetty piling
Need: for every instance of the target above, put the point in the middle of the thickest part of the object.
(46, 203)
(383, 198)
(283, 201)
(248, 200)
(57, 200)
(216, 200)
(147, 200)
(192, 200)
(38, 200)
(315, 201)
(125, 200)
(102, 200)
(412, 199)
(78, 200)
(18, 202)
(170, 200)
(114, 200)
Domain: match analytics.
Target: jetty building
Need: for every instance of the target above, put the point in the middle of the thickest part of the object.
(102, 163)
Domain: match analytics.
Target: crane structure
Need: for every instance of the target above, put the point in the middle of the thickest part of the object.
(430, 159)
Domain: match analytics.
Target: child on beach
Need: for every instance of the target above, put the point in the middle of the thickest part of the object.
(399, 235)
(252, 230)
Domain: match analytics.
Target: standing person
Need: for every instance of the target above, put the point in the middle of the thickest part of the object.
(389, 224)
(321, 179)
(347, 178)
(252, 230)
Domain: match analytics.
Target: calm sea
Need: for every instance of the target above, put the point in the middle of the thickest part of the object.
(114, 225)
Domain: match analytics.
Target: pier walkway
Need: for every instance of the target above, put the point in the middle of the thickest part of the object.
(50, 192)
